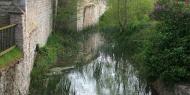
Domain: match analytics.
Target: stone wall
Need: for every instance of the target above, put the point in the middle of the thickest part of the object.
(89, 12)
(39, 19)
(4, 18)
(15, 79)
(178, 89)
(34, 26)
(7, 81)
(161, 89)
(38, 26)
(183, 89)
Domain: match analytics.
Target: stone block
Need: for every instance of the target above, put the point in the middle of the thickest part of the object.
(183, 89)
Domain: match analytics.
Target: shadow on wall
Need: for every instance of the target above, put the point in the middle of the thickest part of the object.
(89, 16)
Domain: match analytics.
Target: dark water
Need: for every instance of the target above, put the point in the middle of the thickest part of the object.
(100, 75)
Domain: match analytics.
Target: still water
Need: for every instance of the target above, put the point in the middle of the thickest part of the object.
(100, 75)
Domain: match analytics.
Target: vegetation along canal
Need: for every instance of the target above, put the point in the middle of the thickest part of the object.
(133, 47)
(94, 47)
(95, 71)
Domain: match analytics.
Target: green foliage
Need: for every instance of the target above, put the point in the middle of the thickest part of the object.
(59, 47)
(123, 12)
(62, 46)
(138, 28)
(168, 56)
(46, 57)
(156, 37)
(66, 15)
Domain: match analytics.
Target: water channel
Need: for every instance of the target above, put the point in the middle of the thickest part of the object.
(99, 73)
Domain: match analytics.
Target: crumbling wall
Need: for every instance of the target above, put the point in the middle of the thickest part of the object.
(89, 12)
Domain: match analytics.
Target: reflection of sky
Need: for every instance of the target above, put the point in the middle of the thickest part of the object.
(108, 81)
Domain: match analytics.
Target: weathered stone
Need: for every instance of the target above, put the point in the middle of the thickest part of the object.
(39, 19)
(89, 12)
(161, 89)
(183, 89)
(7, 79)
(178, 89)
(34, 25)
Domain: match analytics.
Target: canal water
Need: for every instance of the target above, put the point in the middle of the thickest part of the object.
(96, 72)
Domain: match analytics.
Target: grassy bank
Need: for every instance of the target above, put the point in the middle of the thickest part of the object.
(10, 57)
(47, 55)
(61, 48)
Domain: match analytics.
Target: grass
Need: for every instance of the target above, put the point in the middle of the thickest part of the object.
(46, 58)
(47, 55)
(59, 45)
(60, 50)
(10, 57)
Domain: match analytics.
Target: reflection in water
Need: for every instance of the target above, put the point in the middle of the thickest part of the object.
(101, 76)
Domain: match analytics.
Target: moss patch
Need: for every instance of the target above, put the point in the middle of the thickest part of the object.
(10, 57)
